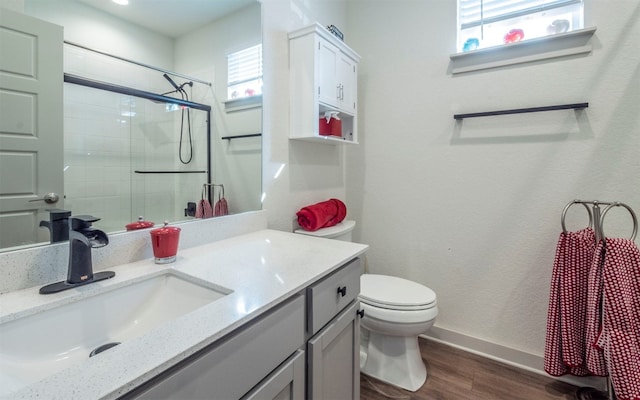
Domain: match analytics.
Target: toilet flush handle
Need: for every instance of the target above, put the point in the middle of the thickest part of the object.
(342, 291)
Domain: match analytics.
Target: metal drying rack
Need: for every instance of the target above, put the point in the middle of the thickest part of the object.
(207, 188)
(596, 220)
(596, 217)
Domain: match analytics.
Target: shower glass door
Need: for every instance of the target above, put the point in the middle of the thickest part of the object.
(127, 156)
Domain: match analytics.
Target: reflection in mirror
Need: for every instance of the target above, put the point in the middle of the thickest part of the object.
(121, 156)
(108, 136)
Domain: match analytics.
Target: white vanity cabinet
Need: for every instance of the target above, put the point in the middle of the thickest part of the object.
(323, 73)
(333, 321)
(261, 358)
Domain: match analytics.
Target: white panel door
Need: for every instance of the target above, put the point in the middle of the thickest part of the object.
(31, 126)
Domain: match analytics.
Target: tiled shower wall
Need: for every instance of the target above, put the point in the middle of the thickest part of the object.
(108, 136)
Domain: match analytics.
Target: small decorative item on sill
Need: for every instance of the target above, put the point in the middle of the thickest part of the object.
(471, 44)
(513, 36)
(558, 26)
(336, 32)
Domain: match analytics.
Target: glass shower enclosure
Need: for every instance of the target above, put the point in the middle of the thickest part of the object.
(130, 153)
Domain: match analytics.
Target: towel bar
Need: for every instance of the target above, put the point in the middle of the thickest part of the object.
(575, 106)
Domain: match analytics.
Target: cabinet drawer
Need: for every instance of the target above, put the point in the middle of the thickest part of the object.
(231, 367)
(326, 298)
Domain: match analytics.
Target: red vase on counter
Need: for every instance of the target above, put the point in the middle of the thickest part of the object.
(165, 243)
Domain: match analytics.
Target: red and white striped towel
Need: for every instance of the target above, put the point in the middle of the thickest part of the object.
(595, 358)
(204, 209)
(620, 335)
(565, 345)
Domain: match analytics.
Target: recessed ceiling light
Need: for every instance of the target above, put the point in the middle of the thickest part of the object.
(121, 2)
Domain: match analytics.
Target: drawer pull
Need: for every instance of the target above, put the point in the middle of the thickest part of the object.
(342, 291)
(360, 313)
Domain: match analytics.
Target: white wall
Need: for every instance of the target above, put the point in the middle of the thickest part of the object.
(95, 29)
(472, 210)
(203, 54)
(294, 173)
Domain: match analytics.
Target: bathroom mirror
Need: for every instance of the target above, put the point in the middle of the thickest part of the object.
(199, 49)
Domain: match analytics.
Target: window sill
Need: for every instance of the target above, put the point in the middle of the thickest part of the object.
(561, 45)
(244, 103)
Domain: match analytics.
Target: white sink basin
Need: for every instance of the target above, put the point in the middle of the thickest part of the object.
(37, 346)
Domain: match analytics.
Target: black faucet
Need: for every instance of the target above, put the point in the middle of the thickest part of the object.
(82, 238)
(58, 225)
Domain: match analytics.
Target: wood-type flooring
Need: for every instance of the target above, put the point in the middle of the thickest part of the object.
(454, 374)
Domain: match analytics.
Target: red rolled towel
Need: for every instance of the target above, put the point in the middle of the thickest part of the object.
(321, 215)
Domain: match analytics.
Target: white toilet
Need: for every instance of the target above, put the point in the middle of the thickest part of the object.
(396, 311)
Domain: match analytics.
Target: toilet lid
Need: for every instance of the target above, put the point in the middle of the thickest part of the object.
(393, 292)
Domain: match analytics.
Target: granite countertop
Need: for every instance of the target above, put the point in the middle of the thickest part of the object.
(262, 269)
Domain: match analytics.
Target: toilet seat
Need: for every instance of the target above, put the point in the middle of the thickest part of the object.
(399, 316)
(393, 293)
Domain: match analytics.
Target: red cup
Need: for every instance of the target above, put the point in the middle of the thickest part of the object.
(165, 243)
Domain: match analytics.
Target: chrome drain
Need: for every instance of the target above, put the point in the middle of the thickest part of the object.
(102, 348)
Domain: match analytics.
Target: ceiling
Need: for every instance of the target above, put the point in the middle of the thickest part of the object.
(172, 18)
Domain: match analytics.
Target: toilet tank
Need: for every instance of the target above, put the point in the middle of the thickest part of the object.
(341, 231)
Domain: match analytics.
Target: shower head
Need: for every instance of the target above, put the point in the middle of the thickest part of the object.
(175, 86)
(186, 84)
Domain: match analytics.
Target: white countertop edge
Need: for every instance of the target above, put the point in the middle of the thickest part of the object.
(245, 264)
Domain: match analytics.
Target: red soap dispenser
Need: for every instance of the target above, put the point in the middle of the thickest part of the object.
(165, 243)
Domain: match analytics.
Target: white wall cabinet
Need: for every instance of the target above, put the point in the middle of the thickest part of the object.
(323, 72)
(336, 78)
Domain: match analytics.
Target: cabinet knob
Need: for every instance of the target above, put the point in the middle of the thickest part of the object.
(360, 313)
(342, 291)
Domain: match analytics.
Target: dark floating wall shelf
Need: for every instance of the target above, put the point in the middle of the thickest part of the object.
(241, 136)
(170, 172)
(576, 106)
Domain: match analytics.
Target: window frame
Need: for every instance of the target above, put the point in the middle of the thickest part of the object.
(499, 18)
(239, 75)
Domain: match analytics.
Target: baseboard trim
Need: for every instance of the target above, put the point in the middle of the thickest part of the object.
(513, 357)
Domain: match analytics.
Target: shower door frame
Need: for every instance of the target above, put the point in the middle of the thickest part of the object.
(110, 87)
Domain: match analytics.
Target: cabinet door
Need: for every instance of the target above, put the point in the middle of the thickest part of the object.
(230, 368)
(347, 83)
(334, 358)
(285, 383)
(328, 89)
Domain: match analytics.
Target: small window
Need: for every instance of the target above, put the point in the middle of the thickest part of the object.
(487, 23)
(244, 77)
